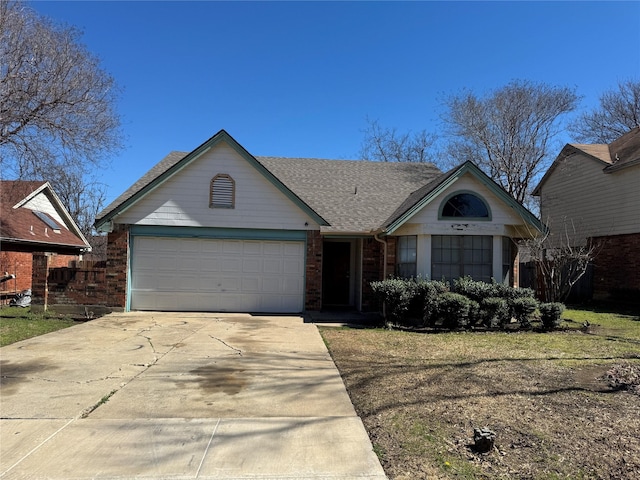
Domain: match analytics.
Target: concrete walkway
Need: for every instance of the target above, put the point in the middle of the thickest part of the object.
(179, 396)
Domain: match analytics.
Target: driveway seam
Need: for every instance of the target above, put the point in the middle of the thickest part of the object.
(206, 450)
(37, 447)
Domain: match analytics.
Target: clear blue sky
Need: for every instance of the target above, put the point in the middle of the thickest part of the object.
(299, 79)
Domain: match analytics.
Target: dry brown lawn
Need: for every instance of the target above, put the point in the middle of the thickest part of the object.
(545, 395)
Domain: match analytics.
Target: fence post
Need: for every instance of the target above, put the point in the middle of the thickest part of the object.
(40, 281)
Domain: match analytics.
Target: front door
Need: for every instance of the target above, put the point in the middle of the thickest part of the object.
(336, 274)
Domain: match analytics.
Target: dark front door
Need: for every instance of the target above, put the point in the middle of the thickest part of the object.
(336, 269)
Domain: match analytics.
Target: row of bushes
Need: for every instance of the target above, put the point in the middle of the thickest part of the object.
(465, 304)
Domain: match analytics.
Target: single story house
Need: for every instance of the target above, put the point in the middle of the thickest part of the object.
(33, 219)
(218, 229)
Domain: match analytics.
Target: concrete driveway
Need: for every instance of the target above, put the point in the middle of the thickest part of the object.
(179, 396)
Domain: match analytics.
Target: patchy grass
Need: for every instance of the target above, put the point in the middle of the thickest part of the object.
(545, 395)
(18, 324)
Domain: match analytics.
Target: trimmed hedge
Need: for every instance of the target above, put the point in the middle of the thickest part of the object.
(466, 304)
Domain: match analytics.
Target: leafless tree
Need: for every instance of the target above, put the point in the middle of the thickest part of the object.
(384, 144)
(57, 106)
(509, 132)
(560, 260)
(618, 112)
(83, 197)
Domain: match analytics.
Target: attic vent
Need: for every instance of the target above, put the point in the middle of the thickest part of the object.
(50, 222)
(223, 191)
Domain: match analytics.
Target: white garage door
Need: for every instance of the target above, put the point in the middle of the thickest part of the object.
(184, 274)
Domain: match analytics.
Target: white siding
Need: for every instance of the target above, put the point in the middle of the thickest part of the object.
(503, 218)
(183, 200)
(578, 195)
(42, 203)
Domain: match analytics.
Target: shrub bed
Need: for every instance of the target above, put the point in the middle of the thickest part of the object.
(466, 304)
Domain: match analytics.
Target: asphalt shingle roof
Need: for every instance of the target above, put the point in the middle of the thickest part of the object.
(351, 195)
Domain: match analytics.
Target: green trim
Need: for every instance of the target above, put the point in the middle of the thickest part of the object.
(468, 167)
(127, 303)
(221, 136)
(473, 219)
(221, 233)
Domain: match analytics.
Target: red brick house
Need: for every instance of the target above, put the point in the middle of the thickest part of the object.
(218, 229)
(32, 219)
(591, 193)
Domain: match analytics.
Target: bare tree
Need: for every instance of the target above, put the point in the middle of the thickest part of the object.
(618, 112)
(509, 132)
(560, 261)
(57, 116)
(83, 198)
(383, 144)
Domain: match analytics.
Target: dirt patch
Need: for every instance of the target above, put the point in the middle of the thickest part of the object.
(554, 413)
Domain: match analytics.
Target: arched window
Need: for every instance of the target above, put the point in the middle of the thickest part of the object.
(465, 205)
(222, 192)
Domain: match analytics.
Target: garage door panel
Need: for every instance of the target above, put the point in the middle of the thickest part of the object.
(195, 274)
(252, 265)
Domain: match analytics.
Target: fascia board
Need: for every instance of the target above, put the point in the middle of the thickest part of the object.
(150, 187)
(425, 201)
(32, 195)
(522, 212)
(68, 218)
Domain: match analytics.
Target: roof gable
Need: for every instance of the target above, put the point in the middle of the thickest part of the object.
(32, 214)
(425, 195)
(176, 161)
(622, 152)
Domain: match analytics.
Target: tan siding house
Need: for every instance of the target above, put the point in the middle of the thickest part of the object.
(591, 193)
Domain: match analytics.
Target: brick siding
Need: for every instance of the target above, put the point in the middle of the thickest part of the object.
(313, 287)
(20, 264)
(616, 265)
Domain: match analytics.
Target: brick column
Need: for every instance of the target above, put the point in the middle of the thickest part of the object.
(117, 267)
(313, 287)
(39, 281)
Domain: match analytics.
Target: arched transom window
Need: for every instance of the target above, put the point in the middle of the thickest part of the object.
(465, 205)
(222, 192)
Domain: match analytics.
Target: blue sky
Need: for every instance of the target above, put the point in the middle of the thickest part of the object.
(300, 79)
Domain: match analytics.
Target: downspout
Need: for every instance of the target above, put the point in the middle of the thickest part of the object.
(384, 269)
(384, 258)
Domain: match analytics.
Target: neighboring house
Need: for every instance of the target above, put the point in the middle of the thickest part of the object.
(591, 193)
(218, 229)
(33, 219)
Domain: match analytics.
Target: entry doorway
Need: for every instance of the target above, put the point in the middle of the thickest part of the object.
(337, 274)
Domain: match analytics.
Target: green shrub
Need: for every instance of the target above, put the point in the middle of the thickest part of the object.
(475, 313)
(472, 289)
(494, 311)
(522, 309)
(550, 314)
(453, 309)
(429, 291)
(396, 294)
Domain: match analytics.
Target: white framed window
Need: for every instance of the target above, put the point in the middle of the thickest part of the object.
(465, 205)
(222, 191)
(406, 256)
(455, 256)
